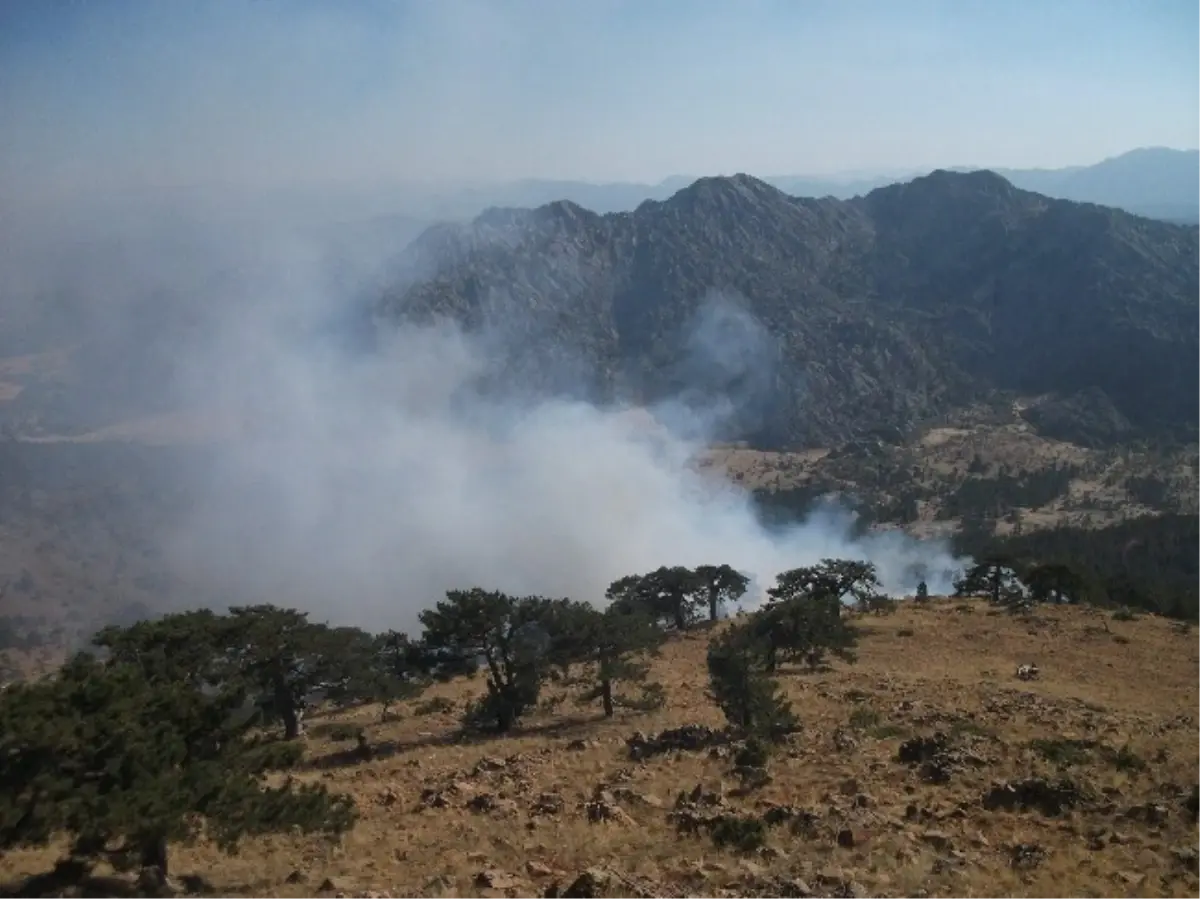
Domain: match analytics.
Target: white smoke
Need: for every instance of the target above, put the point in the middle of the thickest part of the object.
(364, 484)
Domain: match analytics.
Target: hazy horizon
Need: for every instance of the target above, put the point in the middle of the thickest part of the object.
(132, 95)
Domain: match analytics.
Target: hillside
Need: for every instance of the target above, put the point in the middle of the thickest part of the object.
(833, 319)
(1107, 734)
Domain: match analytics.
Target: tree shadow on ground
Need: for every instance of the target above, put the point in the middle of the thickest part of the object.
(70, 879)
(367, 752)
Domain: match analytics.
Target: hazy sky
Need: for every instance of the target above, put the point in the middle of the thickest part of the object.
(110, 94)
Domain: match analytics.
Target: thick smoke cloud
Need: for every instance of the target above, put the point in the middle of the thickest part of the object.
(362, 484)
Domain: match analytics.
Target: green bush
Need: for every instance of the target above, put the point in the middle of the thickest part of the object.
(744, 834)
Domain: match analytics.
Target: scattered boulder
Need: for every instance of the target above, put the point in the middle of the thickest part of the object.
(922, 749)
(851, 837)
(624, 794)
(595, 883)
(547, 804)
(602, 808)
(938, 839)
(1025, 856)
(1151, 814)
(538, 869)
(1051, 798)
(801, 821)
(844, 740)
(1028, 672)
(936, 757)
(699, 810)
(1187, 857)
(495, 879)
(688, 738)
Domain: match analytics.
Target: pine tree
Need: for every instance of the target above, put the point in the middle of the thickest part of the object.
(723, 585)
(610, 641)
(507, 633)
(125, 763)
(739, 684)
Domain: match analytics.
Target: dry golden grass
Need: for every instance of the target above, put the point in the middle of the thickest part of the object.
(942, 458)
(948, 666)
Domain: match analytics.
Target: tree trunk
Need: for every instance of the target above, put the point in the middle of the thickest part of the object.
(680, 618)
(504, 718)
(154, 854)
(606, 696)
(291, 719)
(712, 603)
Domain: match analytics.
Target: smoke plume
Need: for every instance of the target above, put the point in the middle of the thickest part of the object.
(363, 481)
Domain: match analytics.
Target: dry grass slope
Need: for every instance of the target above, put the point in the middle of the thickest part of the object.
(510, 812)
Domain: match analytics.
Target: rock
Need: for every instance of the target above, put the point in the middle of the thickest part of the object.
(1131, 878)
(793, 888)
(848, 837)
(688, 738)
(1187, 856)
(488, 802)
(922, 749)
(489, 763)
(538, 869)
(433, 798)
(547, 804)
(1024, 856)
(937, 839)
(624, 794)
(844, 740)
(580, 745)
(848, 787)
(495, 879)
(484, 802)
(295, 877)
(591, 884)
(1049, 797)
(600, 811)
(331, 885)
(1152, 814)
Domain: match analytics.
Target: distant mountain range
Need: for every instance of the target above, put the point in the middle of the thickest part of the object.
(1153, 182)
(817, 321)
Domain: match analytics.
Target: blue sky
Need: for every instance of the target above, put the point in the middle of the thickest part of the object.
(118, 94)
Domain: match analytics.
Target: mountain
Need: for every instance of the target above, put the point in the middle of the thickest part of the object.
(1154, 181)
(810, 322)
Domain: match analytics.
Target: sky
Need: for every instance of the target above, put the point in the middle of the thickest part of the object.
(119, 95)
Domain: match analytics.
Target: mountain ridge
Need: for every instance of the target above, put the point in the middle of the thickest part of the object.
(937, 288)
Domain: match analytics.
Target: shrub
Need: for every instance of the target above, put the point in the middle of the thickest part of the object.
(743, 834)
